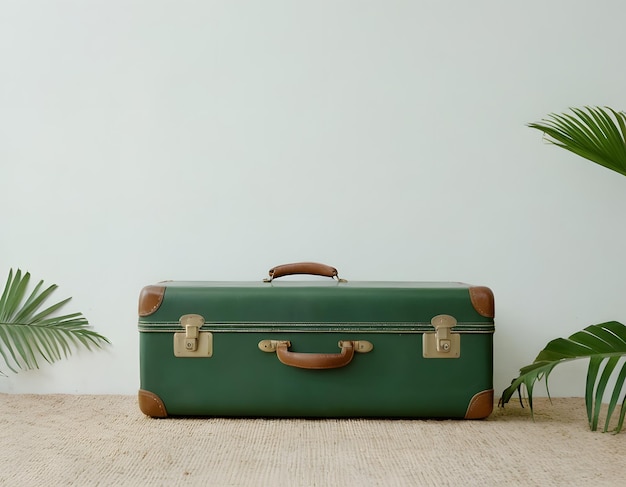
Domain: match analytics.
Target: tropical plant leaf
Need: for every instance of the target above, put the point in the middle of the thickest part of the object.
(614, 398)
(595, 133)
(603, 344)
(27, 332)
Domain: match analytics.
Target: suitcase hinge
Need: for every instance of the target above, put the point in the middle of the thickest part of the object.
(193, 342)
(442, 343)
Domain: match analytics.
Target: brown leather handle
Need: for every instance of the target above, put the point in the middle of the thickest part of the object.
(312, 268)
(316, 360)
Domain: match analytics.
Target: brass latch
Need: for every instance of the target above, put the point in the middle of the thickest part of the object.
(442, 343)
(193, 342)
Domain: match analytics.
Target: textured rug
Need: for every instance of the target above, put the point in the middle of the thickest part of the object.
(106, 440)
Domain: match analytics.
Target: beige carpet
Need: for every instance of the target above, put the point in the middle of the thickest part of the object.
(105, 440)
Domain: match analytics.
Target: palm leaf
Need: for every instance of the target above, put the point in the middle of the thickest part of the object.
(595, 133)
(603, 344)
(28, 333)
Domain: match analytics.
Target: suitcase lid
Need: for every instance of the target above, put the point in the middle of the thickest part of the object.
(316, 306)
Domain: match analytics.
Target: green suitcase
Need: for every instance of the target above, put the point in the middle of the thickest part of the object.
(316, 348)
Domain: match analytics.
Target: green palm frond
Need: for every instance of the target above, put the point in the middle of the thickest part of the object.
(28, 332)
(595, 133)
(603, 344)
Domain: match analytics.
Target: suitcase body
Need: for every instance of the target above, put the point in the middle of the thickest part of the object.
(316, 348)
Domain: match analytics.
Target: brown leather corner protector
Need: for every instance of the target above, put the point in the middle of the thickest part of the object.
(482, 300)
(480, 406)
(150, 299)
(151, 404)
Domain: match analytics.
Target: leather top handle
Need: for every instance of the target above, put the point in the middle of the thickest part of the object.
(312, 268)
(316, 360)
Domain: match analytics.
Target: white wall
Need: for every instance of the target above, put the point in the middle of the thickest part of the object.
(151, 140)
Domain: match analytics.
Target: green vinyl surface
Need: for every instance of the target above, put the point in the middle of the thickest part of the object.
(392, 380)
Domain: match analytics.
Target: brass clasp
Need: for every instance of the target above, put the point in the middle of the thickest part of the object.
(193, 342)
(442, 343)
